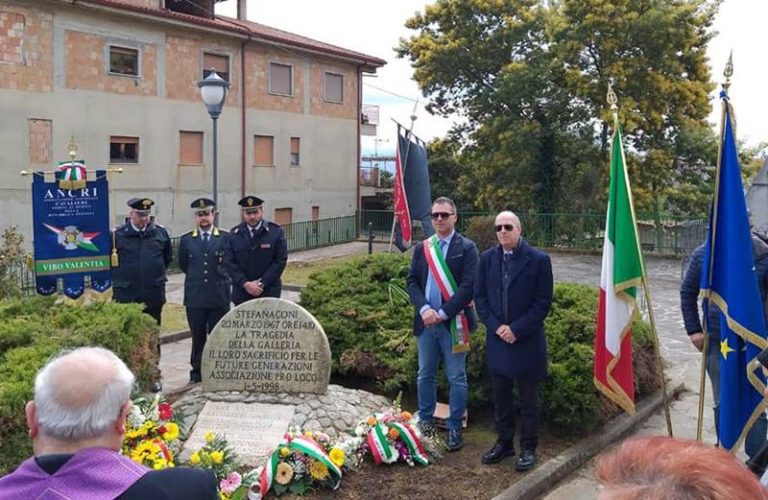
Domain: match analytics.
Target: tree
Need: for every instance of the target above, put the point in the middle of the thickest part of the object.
(530, 79)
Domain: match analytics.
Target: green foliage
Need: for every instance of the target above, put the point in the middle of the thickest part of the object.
(371, 337)
(480, 230)
(11, 256)
(34, 329)
(530, 79)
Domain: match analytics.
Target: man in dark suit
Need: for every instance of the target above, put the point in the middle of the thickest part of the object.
(513, 295)
(77, 424)
(206, 285)
(257, 254)
(144, 253)
(440, 284)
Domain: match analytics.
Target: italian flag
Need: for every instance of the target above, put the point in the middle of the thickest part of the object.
(621, 276)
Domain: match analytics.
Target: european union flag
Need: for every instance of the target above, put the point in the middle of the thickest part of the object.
(728, 281)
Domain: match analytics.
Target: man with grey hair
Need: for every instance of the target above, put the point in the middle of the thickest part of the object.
(513, 295)
(77, 422)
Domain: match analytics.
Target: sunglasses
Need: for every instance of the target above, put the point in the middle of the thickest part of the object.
(506, 227)
(441, 215)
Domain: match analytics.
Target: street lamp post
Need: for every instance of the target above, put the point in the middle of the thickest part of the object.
(213, 90)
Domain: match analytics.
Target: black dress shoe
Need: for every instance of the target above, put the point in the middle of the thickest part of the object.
(454, 440)
(499, 452)
(526, 460)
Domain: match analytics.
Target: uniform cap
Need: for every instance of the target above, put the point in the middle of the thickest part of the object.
(142, 205)
(250, 202)
(203, 205)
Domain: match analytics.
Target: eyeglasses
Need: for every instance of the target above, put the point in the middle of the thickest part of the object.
(506, 227)
(441, 215)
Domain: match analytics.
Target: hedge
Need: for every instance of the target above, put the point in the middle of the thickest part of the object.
(368, 323)
(34, 329)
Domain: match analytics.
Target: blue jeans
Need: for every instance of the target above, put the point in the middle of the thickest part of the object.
(433, 343)
(756, 435)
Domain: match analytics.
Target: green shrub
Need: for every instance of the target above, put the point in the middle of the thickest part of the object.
(371, 337)
(34, 329)
(480, 230)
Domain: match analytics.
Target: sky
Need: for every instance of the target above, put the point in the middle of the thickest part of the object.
(374, 27)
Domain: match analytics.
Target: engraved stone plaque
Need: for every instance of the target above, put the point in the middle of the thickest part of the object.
(267, 345)
(253, 430)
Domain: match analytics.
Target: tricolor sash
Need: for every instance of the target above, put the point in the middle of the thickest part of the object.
(382, 450)
(459, 325)
(302, 444)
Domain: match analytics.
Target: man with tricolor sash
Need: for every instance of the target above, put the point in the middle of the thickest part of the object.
(440, 284)
(513, 295)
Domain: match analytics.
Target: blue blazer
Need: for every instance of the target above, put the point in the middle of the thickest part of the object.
(529, 299)
(462, 261)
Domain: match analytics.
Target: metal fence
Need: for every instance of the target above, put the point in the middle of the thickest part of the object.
(299, 236)
(672, 236)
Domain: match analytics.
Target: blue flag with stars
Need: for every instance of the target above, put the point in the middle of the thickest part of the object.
(728, 281)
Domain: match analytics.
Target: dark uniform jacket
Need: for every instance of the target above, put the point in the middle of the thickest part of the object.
(528, 301)
(461, 259)
(207, 282)
(263, 257)
(143, 257)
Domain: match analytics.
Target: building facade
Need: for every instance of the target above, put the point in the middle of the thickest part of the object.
(120, 77)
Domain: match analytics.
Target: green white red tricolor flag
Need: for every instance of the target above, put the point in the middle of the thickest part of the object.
(622, 273)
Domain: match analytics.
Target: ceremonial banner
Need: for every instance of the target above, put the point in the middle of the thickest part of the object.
(621, 275)
(412, 195)
(71, 232)
(728, 280)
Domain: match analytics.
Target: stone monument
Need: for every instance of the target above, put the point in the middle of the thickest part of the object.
(267, 345)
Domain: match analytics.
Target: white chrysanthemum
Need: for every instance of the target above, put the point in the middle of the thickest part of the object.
(136, 418)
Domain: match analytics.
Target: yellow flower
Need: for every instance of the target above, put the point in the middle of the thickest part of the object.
(284, 473)
(371, 421)
(149, 425)
(136, 433)
(337, 456)
(209, 436)
(223, 496)
(159, 464)
(308, 434)
(394, 433)
(146, 450)
(194, 458)
(318, 470)
(284, 452)
(217, 456)
(171, 431)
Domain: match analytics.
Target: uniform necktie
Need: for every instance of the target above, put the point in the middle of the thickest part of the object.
(206, 238)
(433, 295)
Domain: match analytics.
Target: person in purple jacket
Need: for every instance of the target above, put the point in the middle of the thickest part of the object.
(77, 423)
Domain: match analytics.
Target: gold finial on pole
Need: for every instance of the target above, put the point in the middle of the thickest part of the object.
(728, 72)
(72, 147)
(611, 98)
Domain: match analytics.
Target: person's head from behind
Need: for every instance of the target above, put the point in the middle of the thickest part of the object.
(664, 468)
(82, 398)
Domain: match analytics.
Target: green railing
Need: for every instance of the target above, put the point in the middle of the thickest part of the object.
(672, 236)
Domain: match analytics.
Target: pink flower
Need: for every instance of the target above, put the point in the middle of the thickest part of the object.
(230, 483)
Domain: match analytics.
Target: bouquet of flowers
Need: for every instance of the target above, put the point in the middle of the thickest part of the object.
(152, 433)
(217, 455)
(390, 437)
(300, 463)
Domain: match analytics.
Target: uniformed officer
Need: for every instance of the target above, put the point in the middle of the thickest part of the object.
(206, 285)
(257, 254)
(144, 253)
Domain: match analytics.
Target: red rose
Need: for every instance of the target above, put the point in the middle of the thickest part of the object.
(165, 411)
(161, 429)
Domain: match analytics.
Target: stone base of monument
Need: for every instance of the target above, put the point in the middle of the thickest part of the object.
(254, 423)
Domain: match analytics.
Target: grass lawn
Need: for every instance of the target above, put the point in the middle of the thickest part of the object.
(174, 318)
(297, 273)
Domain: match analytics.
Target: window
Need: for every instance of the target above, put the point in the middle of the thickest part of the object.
(295, 148)
(263, 151)
(123, 61)
(123, 149)
(218, 62)
(190, 148)
(315, 212)
(334, 88)
(280, 79)
(283, 216)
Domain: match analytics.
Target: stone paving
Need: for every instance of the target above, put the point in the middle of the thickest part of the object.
(682, 361)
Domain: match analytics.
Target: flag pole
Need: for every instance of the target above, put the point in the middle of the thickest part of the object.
(727, 73)
(612, 100)
(408, 134)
